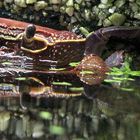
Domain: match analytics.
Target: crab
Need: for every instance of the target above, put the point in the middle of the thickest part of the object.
(32, 48)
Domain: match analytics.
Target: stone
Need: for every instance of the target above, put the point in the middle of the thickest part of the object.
(31, 1)
(20, 3)
(40, 5)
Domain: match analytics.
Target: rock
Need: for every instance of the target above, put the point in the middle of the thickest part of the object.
(69, 3)
(119, 3)
(55, 1)
(40, 5)
(8, 1)
(31, 1)
(117, 19)
(20, 3)
(70, 11)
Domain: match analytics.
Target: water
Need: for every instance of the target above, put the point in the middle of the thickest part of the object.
(92, 112)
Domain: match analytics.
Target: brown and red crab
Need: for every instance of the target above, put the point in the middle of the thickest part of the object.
(32, 48)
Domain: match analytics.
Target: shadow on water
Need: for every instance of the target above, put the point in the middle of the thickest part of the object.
(58, 106)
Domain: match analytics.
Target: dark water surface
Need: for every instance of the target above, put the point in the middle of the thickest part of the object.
(92, 112)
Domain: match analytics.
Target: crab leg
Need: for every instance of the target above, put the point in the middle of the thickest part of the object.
(96, 41)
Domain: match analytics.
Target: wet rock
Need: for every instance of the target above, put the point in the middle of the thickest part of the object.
(20, 3)
(69, 3)
(120, 3)
(40, 5)
(117, 19)
(137, 16)
(106, 1)
(31, 1)
(55, 1)
(8, 1)
(70, 11)
(1, 4)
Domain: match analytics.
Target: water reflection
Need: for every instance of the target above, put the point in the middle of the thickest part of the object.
(31, 107)
(61, 106)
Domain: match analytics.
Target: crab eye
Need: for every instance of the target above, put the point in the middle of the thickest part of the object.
(30, 31)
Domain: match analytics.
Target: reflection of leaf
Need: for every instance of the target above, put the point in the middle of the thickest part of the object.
(57, 69)
(118, 79)
(45, 115)
(74, 64)
(21, 78)
(86, 72)
(7, 63)
(62, 83)
(76, 89)
(56, 130)
(112, 81)
(127, 89)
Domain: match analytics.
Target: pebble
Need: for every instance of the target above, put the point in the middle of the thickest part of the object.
(103, 13)
(1, 4)
(70, 11)
(117, 19)
(8, 1)
(31, 1)
(20, 3)
(112, 9)
(79, 1)
(40, 5)
(55, 1)
(107, 23)
(106, 1)
(69, 3)
(138, 2)
(137, 16)
(120, 3)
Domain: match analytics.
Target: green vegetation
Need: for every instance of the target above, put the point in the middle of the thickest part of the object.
(123, 74)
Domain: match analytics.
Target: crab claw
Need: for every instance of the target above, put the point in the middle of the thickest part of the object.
(96, 41)
(92, 70)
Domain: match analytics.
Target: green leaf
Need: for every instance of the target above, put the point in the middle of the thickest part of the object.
(134, 73)
(112, 81)
(123, 78)
(127, 89)
(76, 89)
